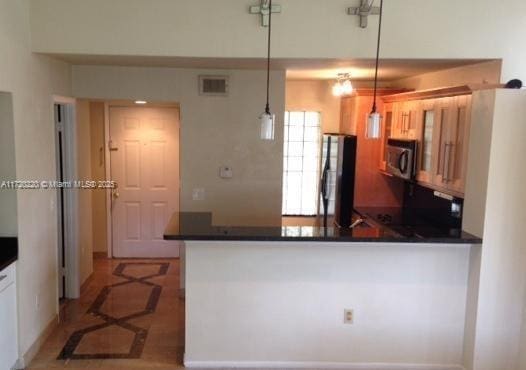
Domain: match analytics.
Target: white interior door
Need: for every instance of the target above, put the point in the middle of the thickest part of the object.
(144, 159)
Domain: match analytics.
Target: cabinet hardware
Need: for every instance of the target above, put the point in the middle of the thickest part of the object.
(443, 162)
(3, 277)
(452, 153)
(406, 123)
(447, 156)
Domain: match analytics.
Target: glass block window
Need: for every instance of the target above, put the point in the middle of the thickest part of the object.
(301, 163)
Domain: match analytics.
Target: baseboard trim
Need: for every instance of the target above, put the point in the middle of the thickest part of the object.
(30, 354)
(85, 284)
(317, 365)
(100, 255)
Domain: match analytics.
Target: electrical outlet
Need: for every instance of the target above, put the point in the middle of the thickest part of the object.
(348, 316)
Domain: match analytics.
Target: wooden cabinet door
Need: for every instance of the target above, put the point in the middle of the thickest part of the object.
(454, 116)
(406, 120)
(411, 128)
(426, 135)
(387, 132)
(397, 122)
(459, 126)
(403, 120)
(441, 151)
(348, 115)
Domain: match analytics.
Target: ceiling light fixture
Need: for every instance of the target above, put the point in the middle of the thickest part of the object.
(374, 119)
(343, 85)
(267, 119)
(140, 102)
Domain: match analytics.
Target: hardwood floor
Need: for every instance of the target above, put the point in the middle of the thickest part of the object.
(130, 316)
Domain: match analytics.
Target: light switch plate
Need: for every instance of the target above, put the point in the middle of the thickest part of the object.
(198, 194)
(225, 172)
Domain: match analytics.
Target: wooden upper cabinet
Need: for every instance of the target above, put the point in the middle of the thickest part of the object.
(427, 141)
(388, 128)
(440, 155)
(409, 119)
(441, 127)
(458, 136)
(453, 116)
(349, 107)
(404, 120)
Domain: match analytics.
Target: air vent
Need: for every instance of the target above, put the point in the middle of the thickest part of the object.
(213, 85)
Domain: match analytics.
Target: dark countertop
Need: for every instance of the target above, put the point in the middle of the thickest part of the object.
(8, 251)
(198, 226)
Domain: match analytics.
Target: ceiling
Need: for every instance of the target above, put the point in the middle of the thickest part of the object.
(297, 69)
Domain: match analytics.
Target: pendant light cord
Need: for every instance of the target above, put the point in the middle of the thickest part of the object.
(377, 55)
(267, 107)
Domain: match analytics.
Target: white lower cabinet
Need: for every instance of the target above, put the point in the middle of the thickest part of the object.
(8, 318)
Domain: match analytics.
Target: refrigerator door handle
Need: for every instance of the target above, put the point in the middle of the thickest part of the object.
(324, 175)
(324, 179)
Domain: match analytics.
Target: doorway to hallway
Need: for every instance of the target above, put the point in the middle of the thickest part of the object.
(67, 199)
(144, 164)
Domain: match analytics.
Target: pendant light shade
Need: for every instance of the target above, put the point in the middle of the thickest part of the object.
(374, 126)
(374, 119)
(267, 119)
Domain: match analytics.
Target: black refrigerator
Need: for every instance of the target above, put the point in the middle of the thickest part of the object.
(338, 169)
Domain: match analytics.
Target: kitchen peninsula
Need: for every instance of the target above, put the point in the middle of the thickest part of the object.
(323, 297)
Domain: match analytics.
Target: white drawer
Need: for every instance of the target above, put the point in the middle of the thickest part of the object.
(7, 277)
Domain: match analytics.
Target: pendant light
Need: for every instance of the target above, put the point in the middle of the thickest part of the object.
(374, 119)
(267, 119)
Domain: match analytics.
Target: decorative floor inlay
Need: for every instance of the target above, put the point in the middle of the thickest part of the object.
(115, 306)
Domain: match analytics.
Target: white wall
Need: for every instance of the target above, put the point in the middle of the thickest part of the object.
(98, 173)
(482, 111)
(502, 298)
(8, 224)
(85, 228)
(215, 131)
(473, 74)
(32, 79)
(522, 345)
(314, 95)
(305, 29)
(283, 303)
